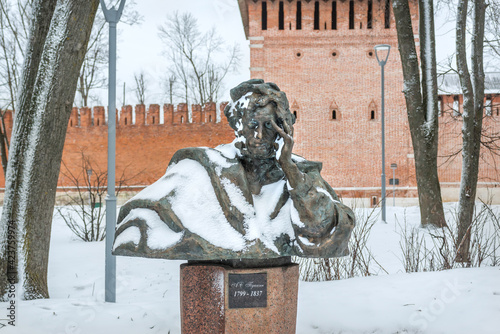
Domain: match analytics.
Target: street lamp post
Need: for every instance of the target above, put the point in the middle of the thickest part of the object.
(112, 16)
(393, 167)
(384, 50)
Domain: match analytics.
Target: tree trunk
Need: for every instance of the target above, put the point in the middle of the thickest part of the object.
(473, 93)
(421, 108)
(57, 45)
(4, 145)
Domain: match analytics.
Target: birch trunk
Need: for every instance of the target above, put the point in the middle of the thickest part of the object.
(473, 92)
(58, 41)
(421, 104)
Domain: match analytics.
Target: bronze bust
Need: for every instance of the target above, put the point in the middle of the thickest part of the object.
(250, 199)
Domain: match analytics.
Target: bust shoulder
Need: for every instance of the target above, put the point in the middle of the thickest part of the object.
(306, 166)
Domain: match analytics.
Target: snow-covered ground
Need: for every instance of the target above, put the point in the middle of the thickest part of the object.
(454, 301)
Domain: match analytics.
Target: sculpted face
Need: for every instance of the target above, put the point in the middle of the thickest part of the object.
(259, 132)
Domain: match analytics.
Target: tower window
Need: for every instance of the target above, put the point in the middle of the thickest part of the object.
(334, 15)
(372, 114)
(387, 14)
(182, 119)
(264, 15)
(125, 121)
(153, 120)
(281, 18)
(456, 106)
(334, 114)
(351, 14)
(369, 17)
(70, 122)
(210, 118)
(98, 122)
(487, 106)
(316, 15)
(298, 19)
(295, 114)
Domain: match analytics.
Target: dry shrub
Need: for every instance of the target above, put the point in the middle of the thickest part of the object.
(359, 262)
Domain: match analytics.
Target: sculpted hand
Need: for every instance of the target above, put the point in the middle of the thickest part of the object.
(287, 134)
(294, 176)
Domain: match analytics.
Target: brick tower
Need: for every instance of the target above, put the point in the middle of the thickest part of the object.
(321, 53)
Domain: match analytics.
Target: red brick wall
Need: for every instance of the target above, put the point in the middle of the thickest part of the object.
(325, 70)
(143, 149)
(450, 144)
(322, 70)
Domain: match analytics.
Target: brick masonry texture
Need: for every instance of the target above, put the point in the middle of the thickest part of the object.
(328, 71)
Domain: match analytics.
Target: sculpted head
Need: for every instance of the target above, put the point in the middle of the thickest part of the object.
(254, 106)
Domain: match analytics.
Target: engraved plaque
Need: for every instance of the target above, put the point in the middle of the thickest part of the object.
(247, 290)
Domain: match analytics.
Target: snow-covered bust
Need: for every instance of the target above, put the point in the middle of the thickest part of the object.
(250, 199)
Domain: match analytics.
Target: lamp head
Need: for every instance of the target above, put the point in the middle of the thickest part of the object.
(382, 53)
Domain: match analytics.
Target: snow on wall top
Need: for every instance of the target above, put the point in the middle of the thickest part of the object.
(449, 83)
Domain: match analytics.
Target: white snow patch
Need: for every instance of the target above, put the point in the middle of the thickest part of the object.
(242, 103)
(194, 194)
(297, 158)
(260, 225)
(159, 189)
(323, 191)
(160, 236)
(294, 215)
(219, 160)
(237, 198)
(306, 241)
(130, 234)
(229, 150)
(280, 143)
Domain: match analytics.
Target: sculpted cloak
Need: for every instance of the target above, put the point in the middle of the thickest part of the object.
(203, 209)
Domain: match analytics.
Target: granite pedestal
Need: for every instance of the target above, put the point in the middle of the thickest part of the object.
(218, 298)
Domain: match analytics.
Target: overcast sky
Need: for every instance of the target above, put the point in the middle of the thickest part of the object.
(140, 48)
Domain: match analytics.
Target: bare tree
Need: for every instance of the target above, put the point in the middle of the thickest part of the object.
(195, 57)
(141, 87)
(421, 105)
(93, 72)
(14, 21)
(492, 35)
(472, 83)
(170, 86)
(85, 198)
(14, 18)
(50, 73)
